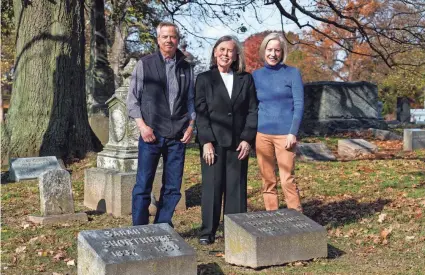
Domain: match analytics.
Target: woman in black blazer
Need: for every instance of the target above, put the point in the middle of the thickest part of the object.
(226, 118)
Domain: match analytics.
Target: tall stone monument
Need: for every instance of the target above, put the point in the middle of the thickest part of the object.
(108, 187)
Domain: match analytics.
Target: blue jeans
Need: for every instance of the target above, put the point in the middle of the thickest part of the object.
(173, 154)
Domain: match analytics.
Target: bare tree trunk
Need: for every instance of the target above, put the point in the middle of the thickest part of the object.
(1, 107)
(48, 112)
(118, 53)
(100, 77)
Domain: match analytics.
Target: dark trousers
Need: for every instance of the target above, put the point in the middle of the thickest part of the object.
(173, 153)
(227, 176)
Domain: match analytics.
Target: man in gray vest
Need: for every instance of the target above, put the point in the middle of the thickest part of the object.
(161, 100)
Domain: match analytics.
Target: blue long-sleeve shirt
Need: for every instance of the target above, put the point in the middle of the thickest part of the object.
(280, 93)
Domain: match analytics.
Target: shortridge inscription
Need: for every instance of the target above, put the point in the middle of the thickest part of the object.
(137, 241)
(133, 241)
(145, 249)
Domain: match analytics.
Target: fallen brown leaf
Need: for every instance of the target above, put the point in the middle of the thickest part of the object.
(60, 255)
(14, 260)
(32, 240)
(26, 225)
(41, 268)
(382, 217)
(385, 233)
(20, 249)
(410, 238)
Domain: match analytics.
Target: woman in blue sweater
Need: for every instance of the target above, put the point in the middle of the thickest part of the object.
(281, 104)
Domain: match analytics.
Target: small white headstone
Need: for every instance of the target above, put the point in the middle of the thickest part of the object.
(56, 200)
(413, 139)
(55, 193)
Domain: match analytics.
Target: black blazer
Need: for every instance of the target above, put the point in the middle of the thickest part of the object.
(222, 120)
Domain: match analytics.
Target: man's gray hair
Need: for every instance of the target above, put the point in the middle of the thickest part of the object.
(282, 42)
(167, 24)
(239, 64)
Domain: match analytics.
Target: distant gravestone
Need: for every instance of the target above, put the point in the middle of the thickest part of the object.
(413, 139)
(260, 239)
(384, 134)
(31, 168)
(56, 200)
(352, 148)
(403, 109)
(147, 249)
(314, 152)
(340, 105)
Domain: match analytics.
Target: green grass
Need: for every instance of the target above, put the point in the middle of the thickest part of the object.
(347, 197)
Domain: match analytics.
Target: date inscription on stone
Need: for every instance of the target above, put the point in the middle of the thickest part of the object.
(136, 243)
(285, 221)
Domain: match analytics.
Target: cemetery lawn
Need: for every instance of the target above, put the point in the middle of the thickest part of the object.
(373, 209)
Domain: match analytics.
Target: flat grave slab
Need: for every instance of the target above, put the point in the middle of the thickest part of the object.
(31, 168)
(413, 139)
(146, 249)
(352, 148)
(267, 238)
(314, 152)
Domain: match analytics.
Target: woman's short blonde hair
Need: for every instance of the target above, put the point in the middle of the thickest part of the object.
(239, 64)
(266, 40)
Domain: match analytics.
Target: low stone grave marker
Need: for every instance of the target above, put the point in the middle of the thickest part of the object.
(352, 148)
(31, 168)
(259, 239)
(145, 249)
(384, 134)
(56, 200)
(314, 152)
(413, 139)
(107, 190)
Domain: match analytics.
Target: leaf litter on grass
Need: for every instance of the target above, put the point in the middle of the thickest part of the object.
(366, 205)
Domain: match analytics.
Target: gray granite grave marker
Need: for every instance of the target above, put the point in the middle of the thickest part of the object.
(384, 134)
(56, 201)
(272, 238)
(31, 168)
(413, 139)
(314, 152)
(352, 148)
(146, 249)
(55, 193)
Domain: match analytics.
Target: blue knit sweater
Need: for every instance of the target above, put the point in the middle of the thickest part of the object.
(280, 93)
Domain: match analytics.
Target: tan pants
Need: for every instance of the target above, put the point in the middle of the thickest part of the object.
(267, 146)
